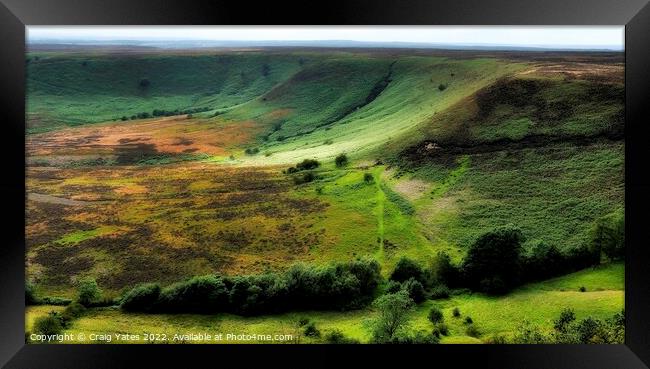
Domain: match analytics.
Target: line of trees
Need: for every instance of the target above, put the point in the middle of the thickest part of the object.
(164, 113)
(335, 287)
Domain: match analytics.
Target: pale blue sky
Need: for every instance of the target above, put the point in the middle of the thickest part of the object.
(551, 36)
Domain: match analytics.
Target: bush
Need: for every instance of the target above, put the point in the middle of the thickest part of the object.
(88, 291)
(144, 83)
(406, 269)
(341, 160)
(468, 320)
(442, 329)
(418, 338)
(311, 330)
(435, 315)
(71, 312)
(141, 298)
(583, 289)
(308, 164)
(30, 294)
(527, 333)
(497, 340)
(415, 290)
(440, 292)
(48, 325)
(368, 178)
(455, 312)
(472, 331)
(442, 87)
(304, 178)
(303, 321)
(492, 264)
(252, 151)
(337, 337)
(393, 286)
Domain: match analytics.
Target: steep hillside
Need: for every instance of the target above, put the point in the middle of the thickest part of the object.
(72, 89)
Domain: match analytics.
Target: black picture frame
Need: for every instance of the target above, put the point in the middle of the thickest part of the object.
(634, 14)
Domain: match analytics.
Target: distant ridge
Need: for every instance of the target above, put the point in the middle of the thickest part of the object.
(184, 44)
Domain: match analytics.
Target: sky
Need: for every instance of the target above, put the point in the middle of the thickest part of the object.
(579, 37)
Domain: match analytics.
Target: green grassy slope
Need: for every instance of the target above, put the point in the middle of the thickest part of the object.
(68, 89)
(410, 98)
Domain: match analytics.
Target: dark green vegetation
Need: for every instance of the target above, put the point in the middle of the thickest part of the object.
(569, 330)
(464, 177)
(340, 286)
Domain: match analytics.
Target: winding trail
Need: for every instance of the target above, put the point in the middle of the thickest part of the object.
(381, 200)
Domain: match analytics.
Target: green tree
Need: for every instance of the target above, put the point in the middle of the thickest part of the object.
(88, 292)
(341, 160)
(608, 235)
(392, 316)
(492, 263)
(406, 269)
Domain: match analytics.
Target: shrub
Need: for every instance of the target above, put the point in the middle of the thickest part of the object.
(368, 178)
(308, 164)
(144, 83)
(124, 117)
(468, 320)
(497, 340)
(303, 321)
(415, 290)
(455, 312)
(440, 292)
(88, 291)
(472, 331)
(48, 325)
(141, 298)
(583, 289)
(442, 87)
(311, 330)
(71, 312)
(337, 337)
(393, 286)
(341, 160)
(418, 338)
(406, 269)
(527, 333)
(304, 178)
(435, 315)
(252, 151)
(442, 328)
(30, 294)
(492, 263)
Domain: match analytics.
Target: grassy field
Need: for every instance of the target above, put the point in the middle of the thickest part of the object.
(441, 147)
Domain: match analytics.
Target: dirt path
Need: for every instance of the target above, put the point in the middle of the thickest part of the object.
(56, 200)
